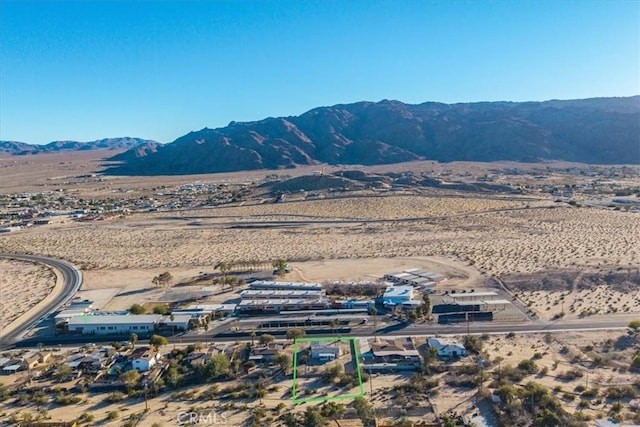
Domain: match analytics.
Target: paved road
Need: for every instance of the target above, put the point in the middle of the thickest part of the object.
(594, 323)
(72, 278)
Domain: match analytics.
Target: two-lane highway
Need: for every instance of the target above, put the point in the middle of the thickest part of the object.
(72, 280)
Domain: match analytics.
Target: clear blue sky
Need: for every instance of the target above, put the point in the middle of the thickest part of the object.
(84, 70)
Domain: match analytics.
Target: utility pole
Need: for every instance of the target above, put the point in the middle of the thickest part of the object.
(146, 403)
(586, 380)
(467, 316)
(533, 408)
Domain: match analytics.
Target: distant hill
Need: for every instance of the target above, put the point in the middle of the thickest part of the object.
(124, 143)
(599, 130)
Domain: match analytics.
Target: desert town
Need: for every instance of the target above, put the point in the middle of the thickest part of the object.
(380, 304)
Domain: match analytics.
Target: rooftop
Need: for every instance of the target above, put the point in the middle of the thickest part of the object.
(114, 319)
(396, 291)
(281, 301)
(284, 285)
(473, 294)
(145, 353)
(280, 292)
(177, 318)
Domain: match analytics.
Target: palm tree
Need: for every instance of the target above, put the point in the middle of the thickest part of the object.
(253, 337)
(426, 306)
(133, 338)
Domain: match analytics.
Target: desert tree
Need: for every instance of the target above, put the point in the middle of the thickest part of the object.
(136, 309)
(281, 266)
(365, 411)
(266, 339)
(133, 339)
(282, 360)
(333, 411)
(158, 341)
(224, 268)
(313, 418)
(294, 333)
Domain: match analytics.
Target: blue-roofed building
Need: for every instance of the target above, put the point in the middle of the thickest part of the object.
(397, 295)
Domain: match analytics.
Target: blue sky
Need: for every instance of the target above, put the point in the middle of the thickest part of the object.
(84, 70)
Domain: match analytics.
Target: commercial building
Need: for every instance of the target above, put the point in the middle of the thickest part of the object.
(355, 304)
(174, 322)
(281, 294)
(473, 296)
(277, 305)
(415, 277)
(113, 324)
(287, 286)
(397, 295)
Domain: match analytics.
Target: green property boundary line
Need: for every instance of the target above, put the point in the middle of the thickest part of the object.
(294, 395)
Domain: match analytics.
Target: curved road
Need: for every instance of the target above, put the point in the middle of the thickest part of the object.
(72, 280)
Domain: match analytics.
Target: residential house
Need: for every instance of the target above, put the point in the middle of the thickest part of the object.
(447, 349)
(30, 361)
(400, 351)
(263, 355)
(91, 364)
(144, 358)
(324, 351)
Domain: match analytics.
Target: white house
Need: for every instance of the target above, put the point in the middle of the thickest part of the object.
(144, 359)
(447, 349)
(397, 295)
(325, 351)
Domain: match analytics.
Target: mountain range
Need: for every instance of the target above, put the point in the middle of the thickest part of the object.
(596, 130)
(124, 143)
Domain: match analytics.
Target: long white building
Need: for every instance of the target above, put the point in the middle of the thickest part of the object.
(126, 324)
(281, 294)
(277, 305)
(287, 286)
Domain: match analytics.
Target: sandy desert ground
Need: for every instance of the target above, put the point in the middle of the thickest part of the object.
(22, 286)
(474, 230)
(555, 356)
(351, 238)
(491, 237)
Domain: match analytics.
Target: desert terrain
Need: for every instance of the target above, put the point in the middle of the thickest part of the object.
(586, 373)
(559, 259)
(22, 286)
